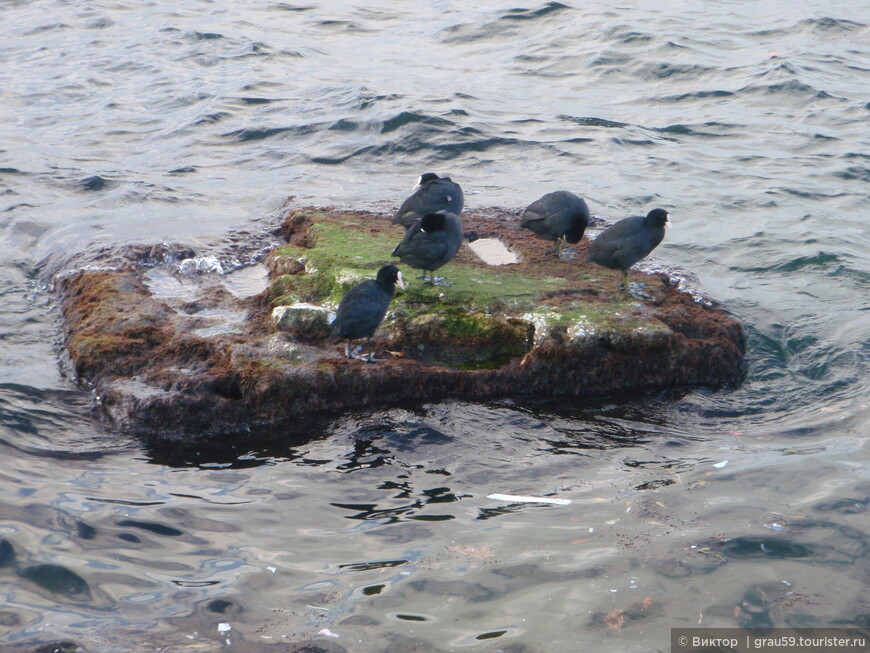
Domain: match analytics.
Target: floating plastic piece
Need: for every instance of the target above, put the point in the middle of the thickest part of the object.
(521, 499)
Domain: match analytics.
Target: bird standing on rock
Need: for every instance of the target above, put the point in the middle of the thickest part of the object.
(362, 309)
(628, 241)
(430, 243)
(431, 194)
(557, 215)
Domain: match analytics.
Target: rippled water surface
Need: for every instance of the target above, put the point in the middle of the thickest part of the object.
(191, 122)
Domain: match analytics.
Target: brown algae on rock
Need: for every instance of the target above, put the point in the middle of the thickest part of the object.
(538, 326)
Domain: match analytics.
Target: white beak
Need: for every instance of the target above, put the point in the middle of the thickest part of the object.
(400, 281)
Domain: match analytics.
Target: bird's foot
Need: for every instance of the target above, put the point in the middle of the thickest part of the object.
(567, 254)
(636, 290)
(352, 354)
(440, 281)
(366, 358)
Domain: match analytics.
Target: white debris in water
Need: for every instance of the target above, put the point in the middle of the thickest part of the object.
(200, 265)
(721, 465)
(492, 251)
(327, 633)
(224, 628)
(514, 498)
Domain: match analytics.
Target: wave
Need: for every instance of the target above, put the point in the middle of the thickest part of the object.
(264, 133)
(531, 14)
(703, 130)
(410, 117)
(828, 24)
(665, 70)
(95, 183)
(594, 122)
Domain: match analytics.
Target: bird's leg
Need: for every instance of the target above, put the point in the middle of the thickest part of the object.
(624, 284)
(347, 349)
(359, 355)
(371, 358)
(432, 280)
(441, 281)
(558, 248)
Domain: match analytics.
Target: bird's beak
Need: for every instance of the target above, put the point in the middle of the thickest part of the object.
(668, 220)
(400, 281)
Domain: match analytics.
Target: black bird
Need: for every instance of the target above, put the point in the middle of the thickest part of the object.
(431, 242)
(556, 216)
(431, 194)
(362, 309)
(625, 243)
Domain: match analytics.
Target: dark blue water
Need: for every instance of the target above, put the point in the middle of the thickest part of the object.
(192, 122)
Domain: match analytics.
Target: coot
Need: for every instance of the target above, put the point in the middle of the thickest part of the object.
(431, 242)
(557, 215)
(362, 309)
(625, 243)
(431, 194)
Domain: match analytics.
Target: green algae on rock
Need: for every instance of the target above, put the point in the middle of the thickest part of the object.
(539, 326)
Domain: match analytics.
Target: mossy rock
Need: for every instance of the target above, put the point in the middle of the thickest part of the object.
(540, 326)
(487, 317)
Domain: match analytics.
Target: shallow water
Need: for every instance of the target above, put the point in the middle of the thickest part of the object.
(192, 122)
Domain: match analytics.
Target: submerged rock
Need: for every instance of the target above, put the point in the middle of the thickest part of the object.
(537, 326)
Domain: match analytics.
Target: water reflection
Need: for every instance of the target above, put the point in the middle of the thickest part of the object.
(274, 512)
